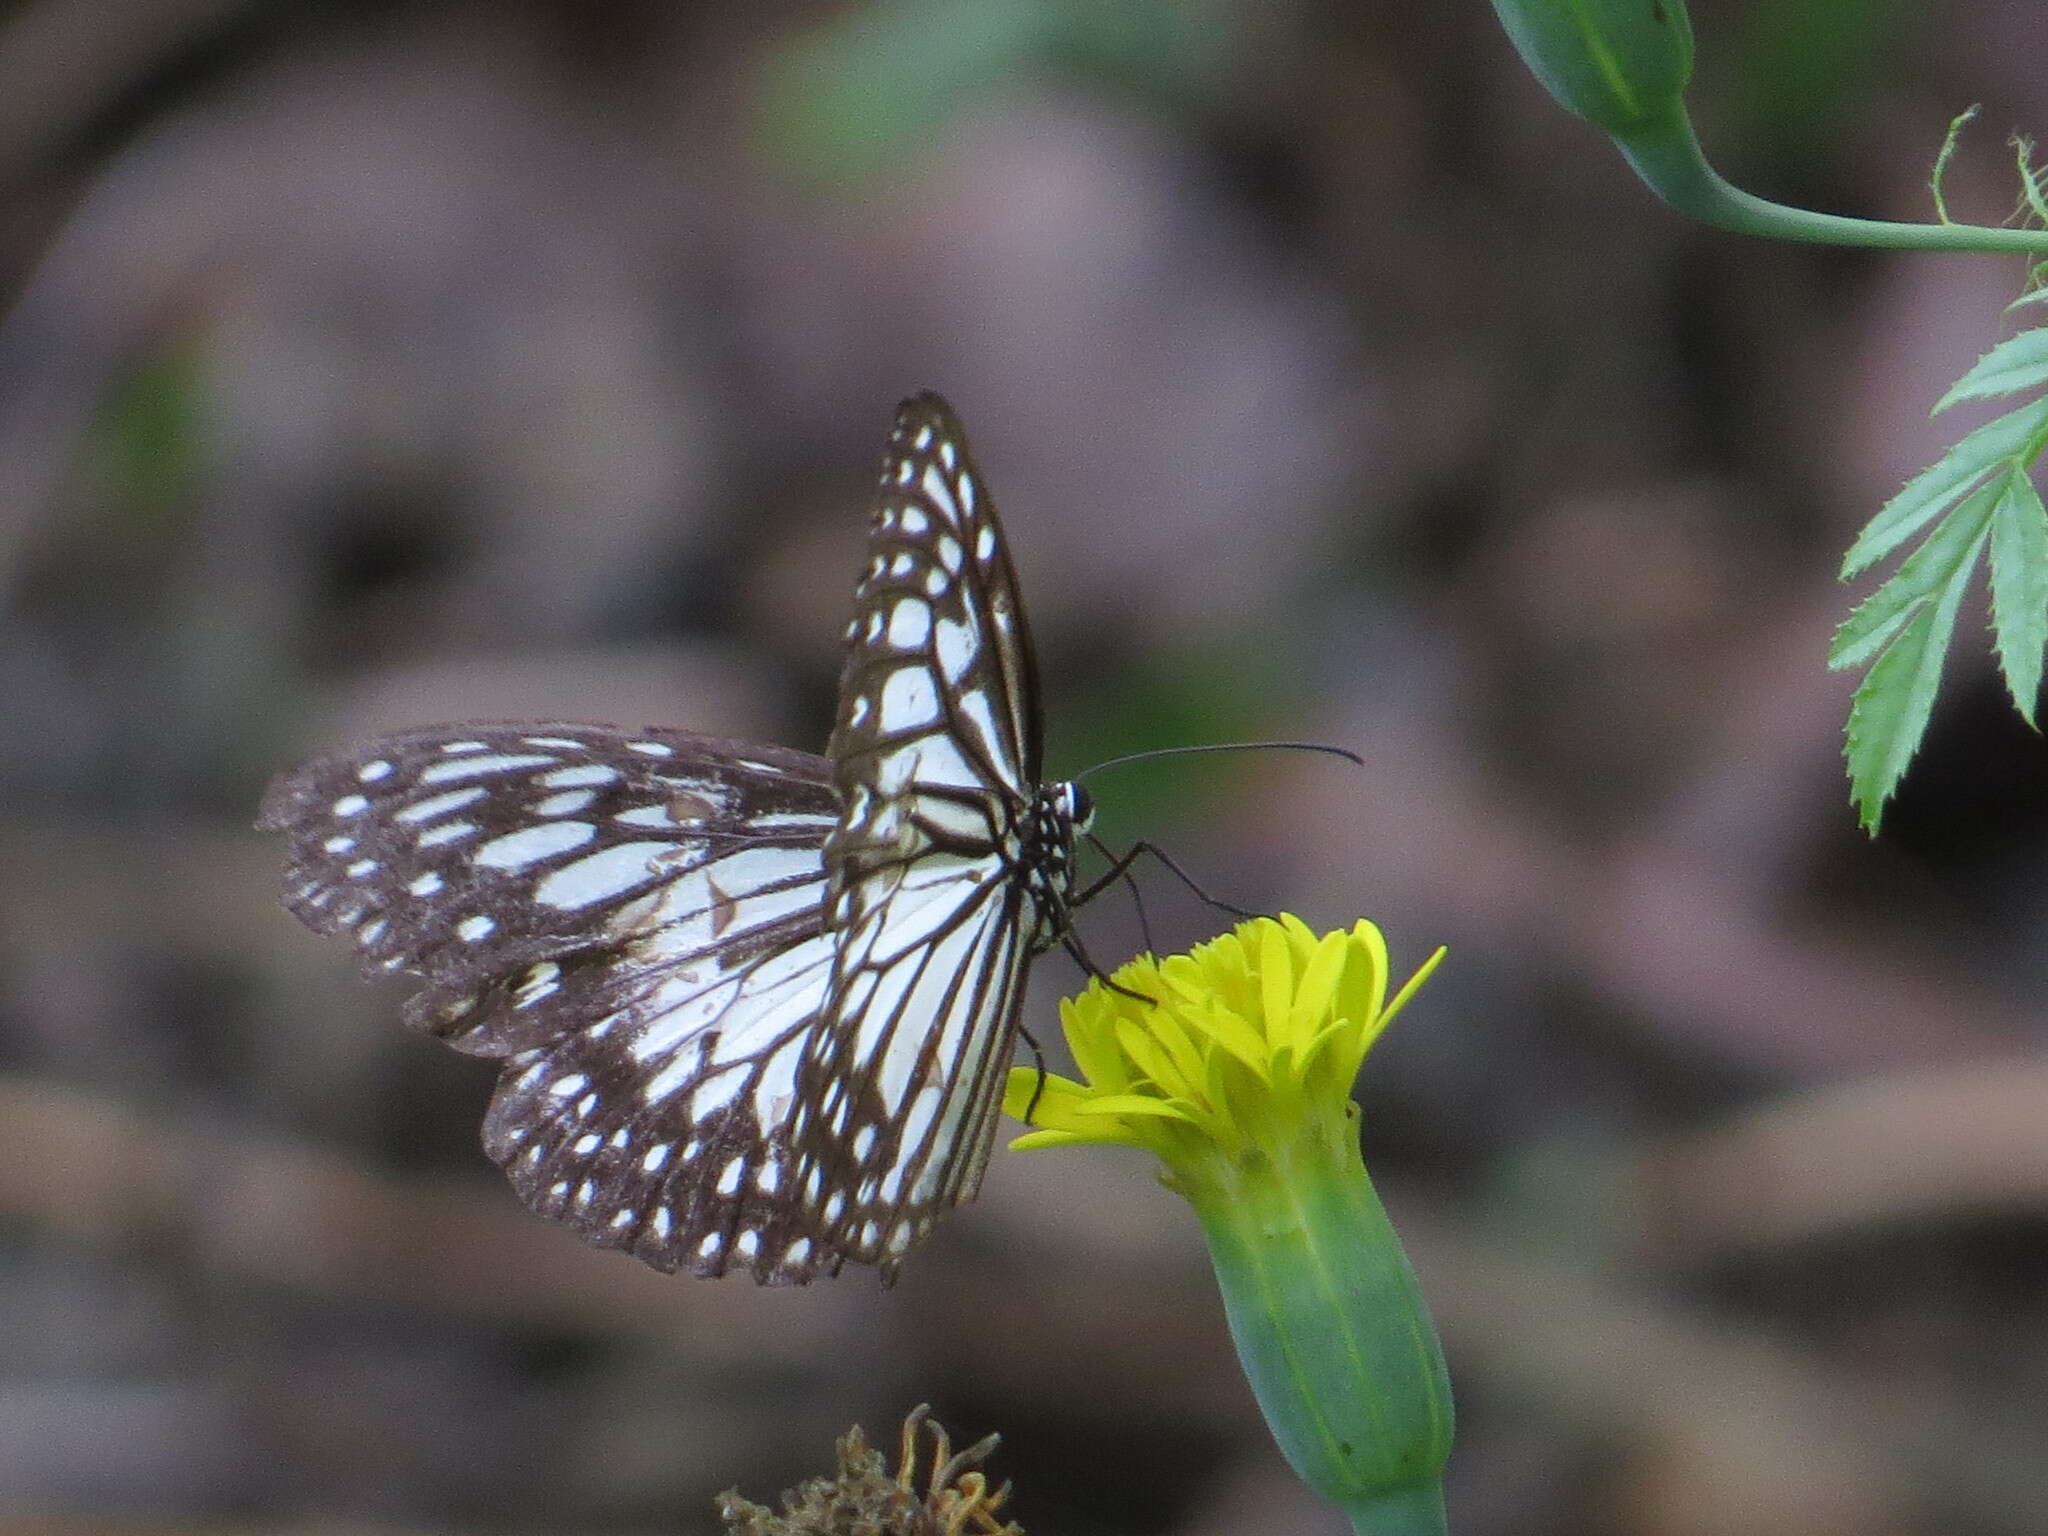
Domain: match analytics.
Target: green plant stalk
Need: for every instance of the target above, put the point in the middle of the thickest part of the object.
(1330, 1325)
(1665, 152)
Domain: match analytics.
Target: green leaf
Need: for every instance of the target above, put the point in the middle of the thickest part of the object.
(1930, 492)
(1896, 698)
(1928, 570)
(2013, 365)
(2019, 587)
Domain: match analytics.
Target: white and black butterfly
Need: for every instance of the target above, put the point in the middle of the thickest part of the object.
(755, 1007)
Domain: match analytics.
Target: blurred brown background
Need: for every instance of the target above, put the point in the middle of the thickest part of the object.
(369, 364)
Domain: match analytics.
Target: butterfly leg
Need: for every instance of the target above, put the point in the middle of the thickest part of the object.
(1119, 866)
(1038, 1065)
(1073, 946)
(1137, 897)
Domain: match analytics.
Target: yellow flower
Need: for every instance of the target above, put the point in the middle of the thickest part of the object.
(1247, 1040)
(1234, 1064)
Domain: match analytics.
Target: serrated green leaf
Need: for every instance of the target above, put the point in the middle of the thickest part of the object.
(1896, 697)
(2019, 587)
(2020, 362)
(1928, 570)
(1929, 493)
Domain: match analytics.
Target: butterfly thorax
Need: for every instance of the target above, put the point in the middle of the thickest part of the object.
(1059, 813)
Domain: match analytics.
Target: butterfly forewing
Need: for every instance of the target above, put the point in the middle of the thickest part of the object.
(633, 922)
(936, 754)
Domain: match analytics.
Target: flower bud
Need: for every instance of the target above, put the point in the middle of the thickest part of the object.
(1616, 63)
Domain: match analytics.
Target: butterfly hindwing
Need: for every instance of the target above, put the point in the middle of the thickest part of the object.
(633, 922)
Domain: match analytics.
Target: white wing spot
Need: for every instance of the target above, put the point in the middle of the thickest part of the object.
(472, 767)
(909, 699)
(657, 1157)
(582, 776)
(454, 747)
(426, 884)
(661, 1222)
(540, 981)
(447, 832)
(949, 554)
(934, 582)
(769, 1179)
(621, 1221)
(923, 438)
(747, 1244)
(373, 930)
(966, 491)
(370, 773)
(567, 803)
(651, 748)
(529, 845)
(915, 522)
(902, 563)
(474, 928)
(910, 624)
(362, 867)
(713, 1241)
(985, 543)
(870, 1234)
(340, 845)
(351, 805)
(956, 648)
(599, 875)
(949, 455)
(569, 743)
(562, 1087)
(798, 1251)
(863, 1143)
(729, 1176)
(440, 805)
(862, 706)
(587, 1144)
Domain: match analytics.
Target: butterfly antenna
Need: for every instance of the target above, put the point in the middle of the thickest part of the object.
(1226, 746)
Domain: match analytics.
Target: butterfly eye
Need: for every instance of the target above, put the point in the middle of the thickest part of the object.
(1080, 808)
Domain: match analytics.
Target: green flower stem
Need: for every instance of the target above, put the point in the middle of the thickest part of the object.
(1330, 1325)
(1666, 153)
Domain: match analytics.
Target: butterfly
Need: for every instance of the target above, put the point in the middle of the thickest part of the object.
(755, 1007)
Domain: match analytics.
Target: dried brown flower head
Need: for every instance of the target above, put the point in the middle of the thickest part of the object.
(864, 1500)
